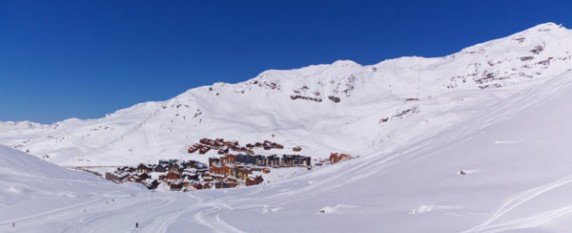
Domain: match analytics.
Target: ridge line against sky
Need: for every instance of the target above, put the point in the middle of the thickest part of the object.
(63, 59)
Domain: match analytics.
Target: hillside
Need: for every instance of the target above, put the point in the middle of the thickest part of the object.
(504, 169)
(33, 188)
(338, 107)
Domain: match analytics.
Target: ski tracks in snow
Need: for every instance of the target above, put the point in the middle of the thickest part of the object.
(211, 218)
(526, 222)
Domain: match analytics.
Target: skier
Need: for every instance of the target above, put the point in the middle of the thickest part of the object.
(137, 225)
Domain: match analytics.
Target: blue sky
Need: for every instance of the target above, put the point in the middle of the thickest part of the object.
(62, 59)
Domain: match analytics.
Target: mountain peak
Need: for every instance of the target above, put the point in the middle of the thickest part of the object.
(548, 27)
(345, 63)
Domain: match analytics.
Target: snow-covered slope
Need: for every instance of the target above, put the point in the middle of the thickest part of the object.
(505, 168)
(342, 107)
(31, 185)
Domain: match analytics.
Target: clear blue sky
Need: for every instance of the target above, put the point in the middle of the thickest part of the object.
(62, 59)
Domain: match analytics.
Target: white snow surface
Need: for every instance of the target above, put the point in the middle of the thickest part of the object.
(512, 141)
(442, 92)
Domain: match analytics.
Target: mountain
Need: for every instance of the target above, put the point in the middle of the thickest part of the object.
(488, 154)
(507, 169)
(338, 107)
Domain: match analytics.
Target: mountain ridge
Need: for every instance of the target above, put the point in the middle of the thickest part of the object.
(342, 106)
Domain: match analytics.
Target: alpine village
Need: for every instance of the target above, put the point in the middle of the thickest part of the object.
(235, 166)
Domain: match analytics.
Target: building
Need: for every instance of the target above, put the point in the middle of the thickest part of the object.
(246, 159)
(228, 159)
(254, 180)
(142, 168)
(337, 157)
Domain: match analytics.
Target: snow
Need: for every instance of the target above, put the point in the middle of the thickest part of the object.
(448, 90)
(512, 143)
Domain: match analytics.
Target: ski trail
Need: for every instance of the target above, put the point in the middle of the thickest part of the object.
(517, 201)
(51, 213)
(121, 217)
(529, 222)
(161, 223)
(211, 219)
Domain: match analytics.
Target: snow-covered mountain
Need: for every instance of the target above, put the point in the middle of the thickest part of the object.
(343, 107)
(506, 169)
(477, 141)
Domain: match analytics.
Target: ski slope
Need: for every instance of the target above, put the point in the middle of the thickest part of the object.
(514, 155)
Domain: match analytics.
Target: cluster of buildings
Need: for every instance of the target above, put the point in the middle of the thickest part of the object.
(176, 175)
(243, 168)
(261, 161)
(223, 147)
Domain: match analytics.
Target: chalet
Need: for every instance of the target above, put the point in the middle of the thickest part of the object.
(201, 167)
(297, 149)
(218, 142)
(213, 161)
(176, 186)
(160, 168)
(229, 183)
(142, 168)
(110, 176)
(174, 168)
(242, 173)
(197, 185)
(221, 170)
(231, 143)
(277, 146)
(190, 175)
(222, 151)
(194, 148)
(233, 147)
(266, 145)
(142, 177)
(188, 164)
(203, 150)
(190, 170)
(338, 157)
(254, 180)
(170, 176)
(151, 184)
(116, 177)
(206, 141)
(218, 178)
(132, 178)
(207, 178)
